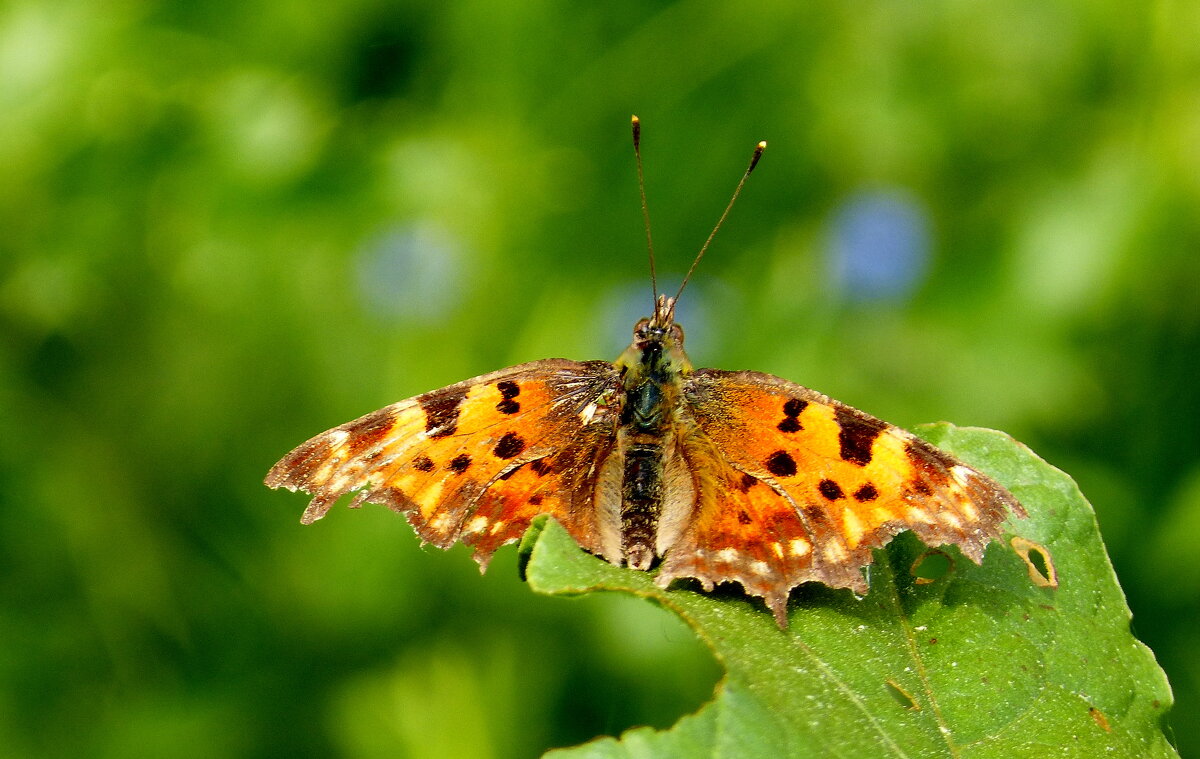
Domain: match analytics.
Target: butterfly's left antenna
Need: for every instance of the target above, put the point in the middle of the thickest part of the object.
(758, 151)
(637, 151)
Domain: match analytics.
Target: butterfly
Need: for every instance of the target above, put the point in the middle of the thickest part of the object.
(719, 476)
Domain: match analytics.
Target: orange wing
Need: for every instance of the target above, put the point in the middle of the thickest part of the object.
(801, 487)
(475, 461)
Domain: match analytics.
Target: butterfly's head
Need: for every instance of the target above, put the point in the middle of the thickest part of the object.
(658, 342)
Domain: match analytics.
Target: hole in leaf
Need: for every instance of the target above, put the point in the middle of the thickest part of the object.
(1038, 561)
(931, 566)
(902, 697)
(1100, 719)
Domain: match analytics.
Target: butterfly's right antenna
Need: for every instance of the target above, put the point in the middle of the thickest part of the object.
(758, 151)
(637, 151)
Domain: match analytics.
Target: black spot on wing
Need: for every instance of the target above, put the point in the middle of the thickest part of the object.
(794, 406)
(831, 490)
(508, 406)
(441, 409)
(508, 389)
(459, 463)
(866, 493)
(781, 464)
(541, 467)
(791, 409)
(857, 434)
(747, 482)
(422, 463)
(510, 445)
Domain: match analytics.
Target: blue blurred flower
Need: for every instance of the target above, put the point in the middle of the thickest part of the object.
(410, 272)
(879, 248)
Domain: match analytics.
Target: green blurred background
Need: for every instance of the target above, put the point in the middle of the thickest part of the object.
(225, 227)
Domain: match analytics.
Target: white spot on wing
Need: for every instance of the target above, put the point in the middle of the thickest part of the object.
(326, 469)
(475, 525)
(760, 568)
(589, 411)
(918, 515)
(800, 547)
(727, 554)
(854, 526)
(431, 497)
(835, 552)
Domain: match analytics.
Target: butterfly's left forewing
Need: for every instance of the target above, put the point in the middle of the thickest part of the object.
(807, 487)
(475, 461)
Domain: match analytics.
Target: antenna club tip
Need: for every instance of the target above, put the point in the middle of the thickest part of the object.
(635, 119)
(758, 151)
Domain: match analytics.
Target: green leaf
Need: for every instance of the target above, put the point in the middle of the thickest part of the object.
(979, 662)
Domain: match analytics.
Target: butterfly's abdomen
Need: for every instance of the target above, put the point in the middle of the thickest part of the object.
(641, 502)
(646, 419)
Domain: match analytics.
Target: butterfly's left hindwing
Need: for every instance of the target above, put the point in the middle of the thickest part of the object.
(806, 487)
(475, 461)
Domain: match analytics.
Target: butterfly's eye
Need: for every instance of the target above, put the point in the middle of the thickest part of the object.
(641, 329)
(677, 333)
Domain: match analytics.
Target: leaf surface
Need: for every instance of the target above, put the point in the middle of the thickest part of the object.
(954, 660)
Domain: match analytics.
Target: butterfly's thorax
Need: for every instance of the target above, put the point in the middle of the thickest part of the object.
(652, 372)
